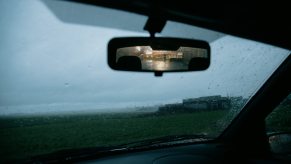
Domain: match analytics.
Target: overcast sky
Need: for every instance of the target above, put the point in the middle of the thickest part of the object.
(53, 58)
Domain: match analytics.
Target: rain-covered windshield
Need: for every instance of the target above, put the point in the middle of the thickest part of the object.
(57, 91)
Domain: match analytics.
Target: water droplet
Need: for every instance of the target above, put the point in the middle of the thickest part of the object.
(67, 84)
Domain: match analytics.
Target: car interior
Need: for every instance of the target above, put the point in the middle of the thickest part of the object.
(245, 139)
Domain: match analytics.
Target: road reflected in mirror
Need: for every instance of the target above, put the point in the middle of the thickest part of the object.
(163, 60)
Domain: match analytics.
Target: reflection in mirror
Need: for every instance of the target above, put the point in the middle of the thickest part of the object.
(164, 60)
(280, 143)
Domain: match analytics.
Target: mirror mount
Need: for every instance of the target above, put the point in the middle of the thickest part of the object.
(158, 73)
(154, 25)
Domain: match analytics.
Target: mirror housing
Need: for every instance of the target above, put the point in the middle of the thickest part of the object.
(144, 54)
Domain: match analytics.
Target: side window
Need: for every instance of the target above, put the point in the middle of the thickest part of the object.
(278, 126)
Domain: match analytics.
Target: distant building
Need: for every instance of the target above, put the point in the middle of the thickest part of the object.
(198, 104)
(209, 102)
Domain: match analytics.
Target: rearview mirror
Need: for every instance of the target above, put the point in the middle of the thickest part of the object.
(158, 54)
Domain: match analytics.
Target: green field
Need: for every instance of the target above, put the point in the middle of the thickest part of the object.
(28, 136)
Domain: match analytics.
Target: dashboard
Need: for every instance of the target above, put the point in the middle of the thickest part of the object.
(197, 153)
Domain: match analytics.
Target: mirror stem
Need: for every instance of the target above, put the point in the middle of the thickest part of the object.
(154, 25)
(152, 34)
(158, 73)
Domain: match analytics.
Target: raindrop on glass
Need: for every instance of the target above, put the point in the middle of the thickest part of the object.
(67, 84)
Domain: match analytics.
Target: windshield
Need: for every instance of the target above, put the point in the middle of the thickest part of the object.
(57, 91)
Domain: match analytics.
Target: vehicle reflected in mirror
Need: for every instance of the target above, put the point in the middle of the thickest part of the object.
(158, 54)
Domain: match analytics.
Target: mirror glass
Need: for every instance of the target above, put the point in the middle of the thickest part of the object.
(162, 60)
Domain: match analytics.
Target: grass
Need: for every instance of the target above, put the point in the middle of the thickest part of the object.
(29, 136)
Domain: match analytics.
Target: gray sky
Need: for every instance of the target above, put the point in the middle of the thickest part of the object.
(53, 61)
